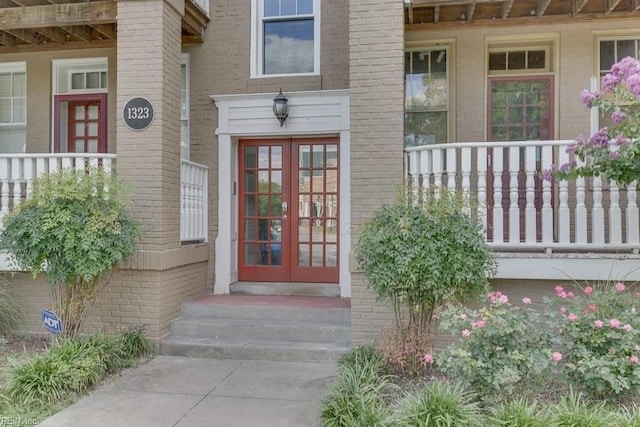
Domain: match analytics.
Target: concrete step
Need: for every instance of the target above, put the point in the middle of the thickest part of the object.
(277, 288)
(249, 311)
(277, 330)
(246, 349)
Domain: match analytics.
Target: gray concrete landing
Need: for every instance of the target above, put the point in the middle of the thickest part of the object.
(193, 392)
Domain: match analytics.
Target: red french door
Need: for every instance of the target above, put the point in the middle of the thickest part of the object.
(520, 109)
(288, 205)
(80, 123)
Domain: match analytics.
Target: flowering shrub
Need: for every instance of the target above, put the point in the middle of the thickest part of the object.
(601, 337)
(501, 347)
(613, 152)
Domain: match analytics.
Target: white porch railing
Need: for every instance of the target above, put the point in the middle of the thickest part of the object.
(193, 202)
(17, 172)
(518, 209)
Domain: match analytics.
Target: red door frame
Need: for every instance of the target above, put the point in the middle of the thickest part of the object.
(101, 98)
(288, 270)
(521, 178)
(264, 273)
(313, 274)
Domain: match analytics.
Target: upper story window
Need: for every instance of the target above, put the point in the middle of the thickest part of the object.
(13, 94)
(427, 96)
(285, 37)
(13, 111)
(613, 50)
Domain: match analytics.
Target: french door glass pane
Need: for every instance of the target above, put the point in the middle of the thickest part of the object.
(520, 110)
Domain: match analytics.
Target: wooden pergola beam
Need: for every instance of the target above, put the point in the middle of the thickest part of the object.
(506, 8)
(577, 6)
(56, 35)
(7, 40)
(81, 33)
(108, 31)
(25, 35)
(13, 48)
(542, 7)
(57, 15)
(436, 14)
(471, 9)
(610, 5)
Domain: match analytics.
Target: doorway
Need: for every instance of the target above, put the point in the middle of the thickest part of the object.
(520, 109)
(288, 210)
(80, 123)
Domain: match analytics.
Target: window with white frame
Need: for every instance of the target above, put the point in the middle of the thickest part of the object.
(427, 96)
(285, 37)
(612, 50)
(519, 60)
(13, 111)
(184, 109)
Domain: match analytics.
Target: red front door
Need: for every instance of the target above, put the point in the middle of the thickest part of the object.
(288, 208)
(80, 123)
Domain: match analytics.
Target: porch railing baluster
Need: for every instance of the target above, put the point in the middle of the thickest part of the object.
(554, 213)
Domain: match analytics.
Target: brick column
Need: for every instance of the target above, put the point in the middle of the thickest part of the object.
(376, 41)
(148, 64)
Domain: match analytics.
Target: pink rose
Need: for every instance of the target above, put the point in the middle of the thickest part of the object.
(627, 328)
(503, 299)
(562, 294)
(588, 290)
(563, 309)
(559, 289)
(620, 287)
(466, 333)
(526, 301)
(556, 357)
(615, 323)
(592, 307)
(427, 359)
(637, 347)
(570, 295)
(598, 324)
(463, 316)
(572, 317)
(479, 324)
(634, 359)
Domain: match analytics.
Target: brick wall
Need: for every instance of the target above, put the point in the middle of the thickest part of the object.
(376, 41)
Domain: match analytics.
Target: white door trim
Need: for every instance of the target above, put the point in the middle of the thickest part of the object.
(312, 113)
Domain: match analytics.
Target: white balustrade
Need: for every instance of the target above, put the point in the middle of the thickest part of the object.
(193, 202)
(17, 172)
(518, 209)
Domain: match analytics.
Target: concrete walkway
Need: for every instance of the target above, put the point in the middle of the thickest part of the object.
(193, 392)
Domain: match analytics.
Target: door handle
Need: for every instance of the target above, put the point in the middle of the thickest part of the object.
(284, 216)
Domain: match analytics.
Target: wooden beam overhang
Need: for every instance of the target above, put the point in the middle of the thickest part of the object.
(577, 6)
(464, 13)
(54, 15)
(194, 22)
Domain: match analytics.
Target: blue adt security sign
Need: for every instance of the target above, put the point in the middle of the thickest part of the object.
(51, 322)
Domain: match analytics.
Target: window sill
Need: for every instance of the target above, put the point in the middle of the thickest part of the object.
(290, 83)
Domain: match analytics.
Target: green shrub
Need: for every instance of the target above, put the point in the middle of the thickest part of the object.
(71, 366)
(629, 416)
(74, 227)
(600, 337)
(439, 405)
(517, 413)
(501, 348)
(133, 342)
(357, 396)
(425, 250)
(364, 354)
(573, 410)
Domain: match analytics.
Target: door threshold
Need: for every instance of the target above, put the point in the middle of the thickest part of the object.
(286, 288)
